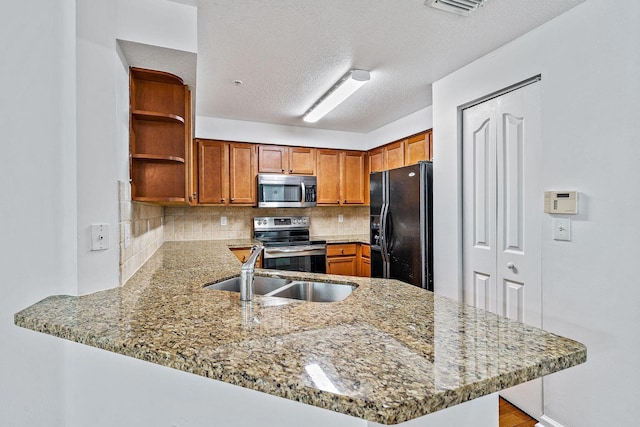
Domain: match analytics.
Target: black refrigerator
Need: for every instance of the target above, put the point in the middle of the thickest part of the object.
(402, 224)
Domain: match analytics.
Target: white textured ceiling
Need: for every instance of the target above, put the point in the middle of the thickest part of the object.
(289, 52)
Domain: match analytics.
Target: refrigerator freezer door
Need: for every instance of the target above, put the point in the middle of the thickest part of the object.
(404, 241)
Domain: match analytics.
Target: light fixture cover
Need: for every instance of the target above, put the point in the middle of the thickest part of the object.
(344, 88)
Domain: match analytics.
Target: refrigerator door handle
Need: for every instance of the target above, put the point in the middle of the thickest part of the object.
(383, 233)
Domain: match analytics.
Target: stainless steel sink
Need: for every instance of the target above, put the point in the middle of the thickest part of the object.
(285, 288)
(314, 291)
(261, 285)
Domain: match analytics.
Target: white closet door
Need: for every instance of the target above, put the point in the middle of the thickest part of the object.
(502, 195)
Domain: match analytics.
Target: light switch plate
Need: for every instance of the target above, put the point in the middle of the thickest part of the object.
(562, 229)
(223, 220)
(99, 237)
(340, 218)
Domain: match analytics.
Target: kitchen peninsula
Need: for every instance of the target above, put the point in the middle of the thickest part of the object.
(389, 353)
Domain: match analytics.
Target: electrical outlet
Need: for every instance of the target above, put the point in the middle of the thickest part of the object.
(340, 218)
(127, 235)
(223, 220)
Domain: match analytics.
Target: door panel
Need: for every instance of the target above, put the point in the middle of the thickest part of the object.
(479, 201)
(512, 182)
(502, 202)
(484, 292)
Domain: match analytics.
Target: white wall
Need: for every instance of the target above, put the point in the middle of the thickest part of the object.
(239, 130)
(590, 66)
(413, 123)
(245, 131)
(97, 141)
(158, 23)
(37, 187)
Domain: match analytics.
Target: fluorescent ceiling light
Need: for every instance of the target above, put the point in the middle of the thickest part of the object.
(344, 88)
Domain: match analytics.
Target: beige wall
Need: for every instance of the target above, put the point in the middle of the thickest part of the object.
(203, 223)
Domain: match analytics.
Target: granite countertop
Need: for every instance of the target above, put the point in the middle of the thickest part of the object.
(391, 352)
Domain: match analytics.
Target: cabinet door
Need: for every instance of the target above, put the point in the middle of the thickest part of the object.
(353, 178)
(213, 172)
(394, 155)
(242, 174)
(375, 160)
(345, 266)
(364, 260)
(272, 159)
(302, 161)
(364, 269)
(416, 149)
(328, 172)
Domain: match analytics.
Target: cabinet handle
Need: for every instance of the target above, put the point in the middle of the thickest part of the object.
(290, 170)
(244, 258)
(222, 200)
(233, 198)
(342, 251)
(345, 201)
(338, 201)
(282, 170)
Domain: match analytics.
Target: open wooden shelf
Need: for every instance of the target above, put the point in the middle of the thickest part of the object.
(157, 158)
(159, 137)
(156, 117)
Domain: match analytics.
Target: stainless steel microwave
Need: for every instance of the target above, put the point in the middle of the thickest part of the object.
(286, 191)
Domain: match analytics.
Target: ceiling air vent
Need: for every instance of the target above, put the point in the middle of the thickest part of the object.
(460, 7)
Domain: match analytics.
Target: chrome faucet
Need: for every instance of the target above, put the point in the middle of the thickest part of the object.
(246, 274)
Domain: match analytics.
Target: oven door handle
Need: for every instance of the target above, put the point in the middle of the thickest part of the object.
(295, 252)
(303, 191)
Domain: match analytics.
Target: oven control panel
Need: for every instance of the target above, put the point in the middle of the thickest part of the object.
(280, 222)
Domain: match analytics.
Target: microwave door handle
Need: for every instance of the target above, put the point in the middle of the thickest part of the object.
(303, 191)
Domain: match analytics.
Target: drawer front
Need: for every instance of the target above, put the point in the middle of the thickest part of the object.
(342, 249)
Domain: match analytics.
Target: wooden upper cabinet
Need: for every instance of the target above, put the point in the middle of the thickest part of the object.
(342, 177)
(328, 172)
(159, 137)
(242, 174)
(417, 148)
(353, 178)
(213, 172)
(302, 161)
(286, 160)
(273, 159)
(394, 155)
(376, 163)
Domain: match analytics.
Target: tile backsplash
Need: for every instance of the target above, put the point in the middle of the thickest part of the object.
(204, 223)
(145, 223)
(151, 225)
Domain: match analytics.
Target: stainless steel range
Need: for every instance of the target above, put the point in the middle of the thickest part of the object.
(287, 245)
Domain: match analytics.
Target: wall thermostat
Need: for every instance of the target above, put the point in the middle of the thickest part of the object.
(561, 202)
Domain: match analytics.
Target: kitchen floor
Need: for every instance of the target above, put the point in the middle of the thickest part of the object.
(510, 416)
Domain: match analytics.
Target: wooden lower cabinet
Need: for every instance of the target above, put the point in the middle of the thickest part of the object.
(364, 260)
(342, 259)
(349, 259)
(345, 266)
(243, 254)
